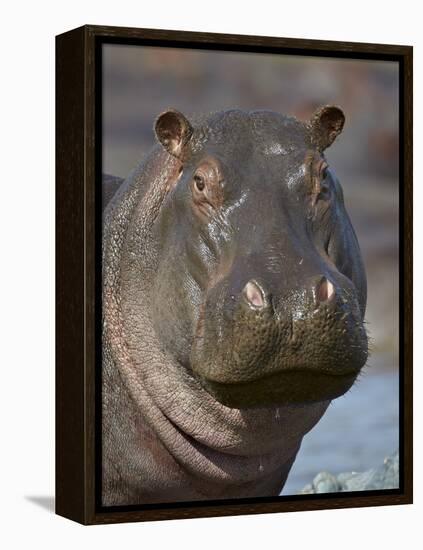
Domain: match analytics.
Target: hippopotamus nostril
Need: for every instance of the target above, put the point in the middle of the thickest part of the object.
(254, 294)
(325, 291)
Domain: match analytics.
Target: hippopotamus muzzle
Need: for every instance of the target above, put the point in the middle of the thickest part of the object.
(307, 346)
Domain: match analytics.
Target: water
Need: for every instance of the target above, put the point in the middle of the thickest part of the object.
(356, 433)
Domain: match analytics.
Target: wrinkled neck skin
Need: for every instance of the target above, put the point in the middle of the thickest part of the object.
(213, 451)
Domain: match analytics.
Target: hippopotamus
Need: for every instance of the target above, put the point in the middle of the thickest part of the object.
(234, 296)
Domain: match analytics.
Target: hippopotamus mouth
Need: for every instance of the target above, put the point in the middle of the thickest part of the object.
(287, 387)
(307, 347)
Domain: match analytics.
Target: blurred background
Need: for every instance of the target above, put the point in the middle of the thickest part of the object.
(360, 428)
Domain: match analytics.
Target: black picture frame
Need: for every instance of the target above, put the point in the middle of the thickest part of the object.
(78, 256)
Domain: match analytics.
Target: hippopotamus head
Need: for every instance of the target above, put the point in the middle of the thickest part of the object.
(260, 289)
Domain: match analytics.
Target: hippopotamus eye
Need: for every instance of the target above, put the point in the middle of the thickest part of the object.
(199, 182)
(206, 188)
(324, 193)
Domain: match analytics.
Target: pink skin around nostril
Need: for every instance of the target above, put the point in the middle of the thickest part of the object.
(325, 290)
(253, 294)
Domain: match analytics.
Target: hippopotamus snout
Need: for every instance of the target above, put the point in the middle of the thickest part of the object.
(299, 343)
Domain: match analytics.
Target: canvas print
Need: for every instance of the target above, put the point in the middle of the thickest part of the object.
(250, 275)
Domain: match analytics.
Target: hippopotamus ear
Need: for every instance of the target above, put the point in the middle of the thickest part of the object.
(173, 131)
(325, 125)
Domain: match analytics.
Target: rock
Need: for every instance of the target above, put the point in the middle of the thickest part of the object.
(385, 476)
(326, 483)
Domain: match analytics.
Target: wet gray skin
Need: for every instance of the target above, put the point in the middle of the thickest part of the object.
(234, 297)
